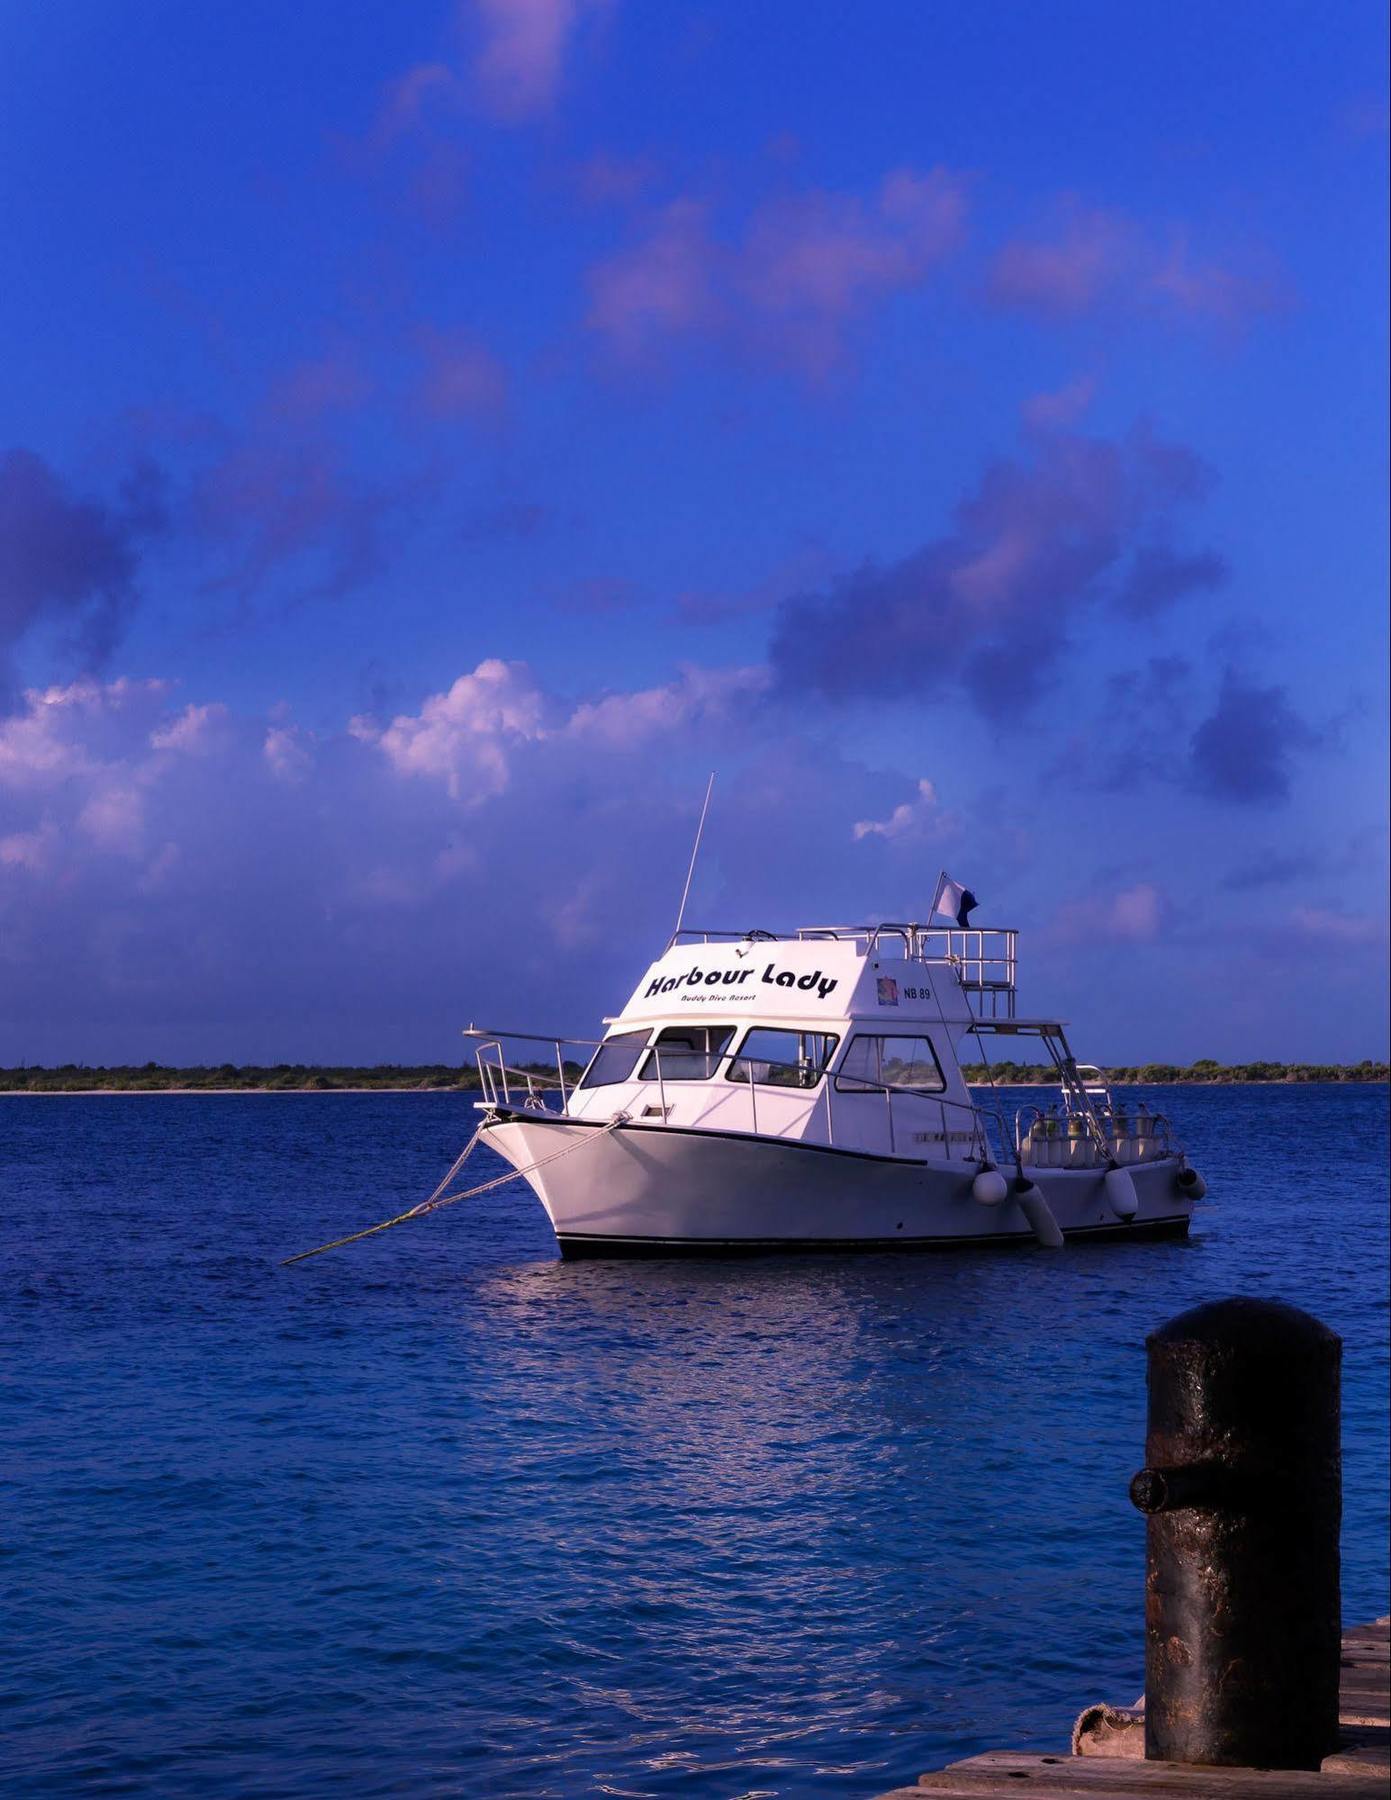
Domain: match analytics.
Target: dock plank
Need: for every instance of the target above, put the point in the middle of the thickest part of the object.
(1130, 1778)
(1108, 1760)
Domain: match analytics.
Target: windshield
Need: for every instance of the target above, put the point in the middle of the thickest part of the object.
(771, 1058)
(686, 1052)
(890, 1062)
(615, 1059)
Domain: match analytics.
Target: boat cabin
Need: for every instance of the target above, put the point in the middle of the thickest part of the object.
(845, 1036)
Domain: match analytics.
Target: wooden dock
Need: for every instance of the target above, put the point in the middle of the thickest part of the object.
(1107, 1761)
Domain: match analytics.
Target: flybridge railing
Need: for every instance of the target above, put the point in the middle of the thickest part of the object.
(985, 957)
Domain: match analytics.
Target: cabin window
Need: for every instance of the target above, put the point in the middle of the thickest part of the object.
(615, 1059)
(890, 1062)
(687, 1052)
(791, 1059)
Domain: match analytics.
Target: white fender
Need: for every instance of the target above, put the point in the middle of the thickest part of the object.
(1190, 1184)
(990, 1187)
(1030, 1201)
(1121, 1197)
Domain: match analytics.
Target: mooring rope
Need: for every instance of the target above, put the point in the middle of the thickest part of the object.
(439, 1198)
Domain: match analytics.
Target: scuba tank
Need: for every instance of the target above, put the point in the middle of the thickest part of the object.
(1120, 1136)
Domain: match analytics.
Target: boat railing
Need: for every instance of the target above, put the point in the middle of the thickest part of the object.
(966, 1131)
(985, 957)
(972, 1132)
(510, 1084)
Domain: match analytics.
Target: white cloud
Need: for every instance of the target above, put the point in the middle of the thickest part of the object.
(70, 731)
(1329, 927)
(920, 817)
(114, 819)
(193, 731)
(622, 721)
(464, 735)
(35, 851)
(286, 752)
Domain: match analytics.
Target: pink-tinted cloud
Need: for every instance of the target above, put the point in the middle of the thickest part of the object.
(522, 51)
(1160, 575)
(1067, 273)
(1062, 407)
(66, 732)
(194, 732)
(1130, 915)
(698, 696)
(155, 903)
(114, 819)
(598, 597)
(286, 872)
(1365, 116)
(287, 751)
(410, 98)
(462, 378)
(37, 850)
(1218, 293)
(283, 506)
(1089, 259)
(69, 564)
(1246, 748)
(821, 258)
(790, 281)
(809, 566)
(664, 287)
(314, 389)
(1250, 740)
(1326, 925)
(987, 606)
(439, 185)
(348, 902)
(413, 150)
(608, 180)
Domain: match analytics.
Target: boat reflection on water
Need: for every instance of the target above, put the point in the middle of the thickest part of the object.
(686, 1450)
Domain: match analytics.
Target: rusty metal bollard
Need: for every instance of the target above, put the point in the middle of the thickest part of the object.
(1243, 1493)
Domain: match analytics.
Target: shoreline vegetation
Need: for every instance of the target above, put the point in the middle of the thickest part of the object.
(224, 1078)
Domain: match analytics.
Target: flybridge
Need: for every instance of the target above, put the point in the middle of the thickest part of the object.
(985, 959)
(826, 973)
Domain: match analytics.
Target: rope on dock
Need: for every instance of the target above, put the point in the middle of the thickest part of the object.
(439, 1198)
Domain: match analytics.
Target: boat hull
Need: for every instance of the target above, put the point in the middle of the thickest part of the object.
(666, 1191)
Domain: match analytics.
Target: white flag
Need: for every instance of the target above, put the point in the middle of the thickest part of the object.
(953, 901)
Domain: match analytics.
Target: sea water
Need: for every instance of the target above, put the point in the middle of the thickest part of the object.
(439, 1514)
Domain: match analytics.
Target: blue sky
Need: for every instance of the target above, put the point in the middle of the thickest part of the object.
(433, 437)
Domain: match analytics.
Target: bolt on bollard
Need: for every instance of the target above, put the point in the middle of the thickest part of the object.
(1243, 1496)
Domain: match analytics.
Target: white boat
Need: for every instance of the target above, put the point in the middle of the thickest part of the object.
(766, 1092)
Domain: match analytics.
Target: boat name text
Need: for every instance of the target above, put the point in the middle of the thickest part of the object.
(772, 976)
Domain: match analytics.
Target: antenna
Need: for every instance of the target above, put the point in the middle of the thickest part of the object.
(695, 852)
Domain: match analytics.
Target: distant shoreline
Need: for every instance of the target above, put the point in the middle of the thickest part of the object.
(252, 1093)
(443, 1078)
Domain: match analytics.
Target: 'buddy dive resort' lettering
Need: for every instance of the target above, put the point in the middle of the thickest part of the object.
(772, 976)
